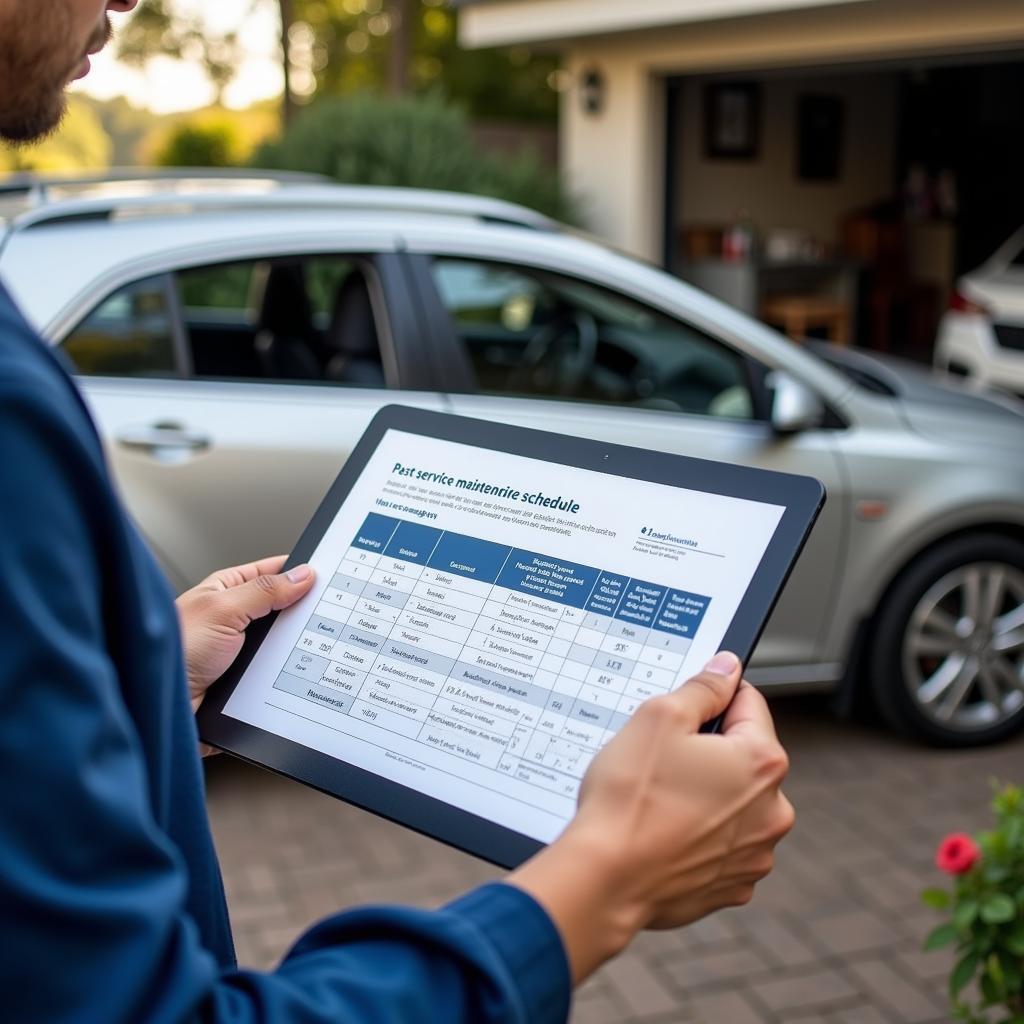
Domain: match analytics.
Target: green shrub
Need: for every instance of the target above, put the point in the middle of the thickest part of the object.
(417, 142)
(200, 145)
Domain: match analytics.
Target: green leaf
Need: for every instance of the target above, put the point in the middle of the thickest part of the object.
(937, 899)
(941, 936)
(1014, 942)
(998, 909)
(965, 914)
(963, 972)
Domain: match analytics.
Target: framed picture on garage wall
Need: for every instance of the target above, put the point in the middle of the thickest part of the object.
(732, 120)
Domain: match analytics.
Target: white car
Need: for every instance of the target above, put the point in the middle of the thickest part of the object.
(234, 338)
(981, 336)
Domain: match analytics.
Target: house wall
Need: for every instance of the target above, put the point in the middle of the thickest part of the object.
(615, 159)
(768, 189)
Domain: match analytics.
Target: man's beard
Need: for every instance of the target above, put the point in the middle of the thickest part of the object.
(36, 64)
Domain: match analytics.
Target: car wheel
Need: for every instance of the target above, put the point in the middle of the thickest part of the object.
(947, 659)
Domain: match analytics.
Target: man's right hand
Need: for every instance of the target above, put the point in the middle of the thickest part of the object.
(672, 823)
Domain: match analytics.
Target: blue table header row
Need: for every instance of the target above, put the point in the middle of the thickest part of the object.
(578, 586)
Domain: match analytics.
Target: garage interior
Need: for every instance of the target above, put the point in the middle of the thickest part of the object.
(862, 191)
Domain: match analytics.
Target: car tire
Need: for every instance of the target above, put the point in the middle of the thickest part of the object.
(936, 637)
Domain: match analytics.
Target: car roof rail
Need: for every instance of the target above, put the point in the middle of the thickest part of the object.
(186, 194)
(38, 187)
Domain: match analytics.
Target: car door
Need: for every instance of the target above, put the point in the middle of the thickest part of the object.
(582, 357)
(229, 396)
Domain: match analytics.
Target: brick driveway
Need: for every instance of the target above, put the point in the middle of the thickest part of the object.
(833, 935)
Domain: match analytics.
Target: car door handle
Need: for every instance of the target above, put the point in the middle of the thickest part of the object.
(163, 437)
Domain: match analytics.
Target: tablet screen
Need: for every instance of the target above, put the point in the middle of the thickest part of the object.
(482, 623)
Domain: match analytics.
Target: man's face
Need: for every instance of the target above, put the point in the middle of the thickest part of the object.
(44, 45)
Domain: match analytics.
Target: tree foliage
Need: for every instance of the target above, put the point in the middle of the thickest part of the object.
(418, 142)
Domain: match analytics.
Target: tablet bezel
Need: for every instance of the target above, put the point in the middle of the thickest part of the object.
(802, 498)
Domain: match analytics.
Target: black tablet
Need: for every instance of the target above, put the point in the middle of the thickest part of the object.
(491, 605)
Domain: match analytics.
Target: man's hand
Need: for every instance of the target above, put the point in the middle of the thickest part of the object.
(672, 824)
(215, 614)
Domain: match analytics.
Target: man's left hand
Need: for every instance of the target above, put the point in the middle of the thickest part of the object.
(215, 613)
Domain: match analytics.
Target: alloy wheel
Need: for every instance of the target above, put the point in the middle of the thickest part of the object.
(963, 648)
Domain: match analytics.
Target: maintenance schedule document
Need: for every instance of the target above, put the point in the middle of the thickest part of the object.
(483, 623)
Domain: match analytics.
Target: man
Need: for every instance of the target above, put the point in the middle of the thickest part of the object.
(113, 909)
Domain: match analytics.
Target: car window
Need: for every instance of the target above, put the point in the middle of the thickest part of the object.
(297, 318)
(128, 334)
(530, 332)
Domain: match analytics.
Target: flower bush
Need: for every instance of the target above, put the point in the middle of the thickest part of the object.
(986, 915)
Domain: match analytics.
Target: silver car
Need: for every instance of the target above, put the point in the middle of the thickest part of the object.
(234, 336)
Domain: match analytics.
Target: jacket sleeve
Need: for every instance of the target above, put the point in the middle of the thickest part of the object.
(92, 890)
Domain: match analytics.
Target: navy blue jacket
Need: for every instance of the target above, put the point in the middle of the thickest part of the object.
(111, 904)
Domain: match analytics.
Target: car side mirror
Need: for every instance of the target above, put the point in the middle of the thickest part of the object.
(795, 406)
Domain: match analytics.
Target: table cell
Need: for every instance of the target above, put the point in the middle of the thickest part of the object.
(573, 616)
(316, 643)
(517, 742)
(392, 581)
(385, 596)
(581, 655)
(530, 604)
(559, 703)
(453, 581)
(591, 638)
(551, 723)
(550, 663)
(470, 557)
(426, 641)
(353, 657)
(642, 691)
(441, 613)
(652, 675)
(565, 686)
(536, 747)
(412, 542)
(606, 680)
(574, 670)
(399, 567)
(359, 571)
(388, 613)
(508, 764)
(391, 701)
(539, 625)
(323, 626)
(589, 713)
(598, 623)
(448, 598)
(434, 627)
(549, 779)
(660, 641)
(544, 678)
(343, 677)
(660, 658)
(629, 631)
(515, 653)
(459, 744)
(416, 657)
(511, 673)
(385, 718)
(403, 672)
(599, 696)
(627, 705)
(559, 647)
(529, 639)
(473, 715)
(360, 557)
(583, 733)
(360, 640)
(613, 663)
(621, 648)
(332, 699)
(370, 624)
(306, 666)
(340, 599)
(567, 632)
(375, 532)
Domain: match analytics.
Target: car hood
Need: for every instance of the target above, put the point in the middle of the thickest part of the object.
(936, 406)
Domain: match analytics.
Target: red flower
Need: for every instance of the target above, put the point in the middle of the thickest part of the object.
(957, 854)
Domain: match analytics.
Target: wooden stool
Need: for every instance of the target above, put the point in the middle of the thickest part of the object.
(797, 314)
